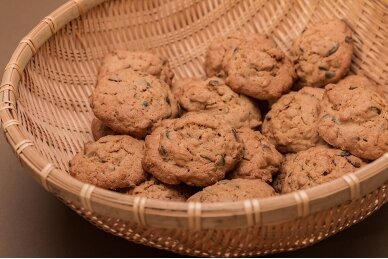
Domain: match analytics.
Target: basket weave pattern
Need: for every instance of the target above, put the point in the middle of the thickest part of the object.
(46, 117)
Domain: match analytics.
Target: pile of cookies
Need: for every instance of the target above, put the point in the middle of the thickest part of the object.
(207, 140)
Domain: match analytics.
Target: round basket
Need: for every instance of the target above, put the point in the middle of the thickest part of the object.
(46, 117)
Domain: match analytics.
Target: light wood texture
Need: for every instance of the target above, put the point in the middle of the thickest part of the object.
(46, 117)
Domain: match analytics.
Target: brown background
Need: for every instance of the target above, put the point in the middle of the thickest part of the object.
(35, 224)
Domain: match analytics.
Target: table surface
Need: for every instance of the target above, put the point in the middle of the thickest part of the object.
(33, 223)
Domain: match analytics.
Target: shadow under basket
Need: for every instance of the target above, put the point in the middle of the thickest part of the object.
(46, 117)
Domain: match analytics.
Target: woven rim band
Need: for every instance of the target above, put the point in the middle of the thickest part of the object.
(253, 212)
(51, 23)
(15, 66)
(354, 185)
(44, 173)
(81, 7)
(10, 106)
(302, 203)
(194, 215)
(9, 123)
(139, 210)
(22, 145)
(85, 195)
(30, 43)
(7, 87)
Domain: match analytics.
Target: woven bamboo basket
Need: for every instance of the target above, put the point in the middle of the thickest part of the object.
(46, 117)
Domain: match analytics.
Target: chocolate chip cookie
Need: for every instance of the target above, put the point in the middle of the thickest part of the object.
(215, 97)
(137, 60)
(154, 189)
(195, 149)
(260, 158)
(314, 166)
(354, 117)
(323, 53)
(259, 69)
(99, 130)
(233, 190)
(216, 51)
(292, 123)
(112, 162)
(131, 102)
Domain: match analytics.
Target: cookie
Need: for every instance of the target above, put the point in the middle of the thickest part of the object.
(131, 102)
(233, 190)
(99, 130)
(314, 166)
(354, 117)
(323, 53)
(137, 60)
(195, 149)
(258, 69)
(217, 49)
(154, 189)
(215, 97)
(112, 162)
(292, 123)
(260, 158)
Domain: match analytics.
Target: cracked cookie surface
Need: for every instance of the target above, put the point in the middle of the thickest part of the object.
(218, 48)
(195, 149)
(154, 189)
(112, 162)
(292, 123)
(314, 166)
(260, 157)
(131, 102)
(233, 190)
(137, 60)
(258, 69)
(215, 97)
(323, 53)
(354, 117)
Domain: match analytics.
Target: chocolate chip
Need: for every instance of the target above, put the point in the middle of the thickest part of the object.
(356, 164)
(328, 116)
(325, 173)
(254, 67)
(114, 80)
(145, 104)
(221, 161)
(329, 74)
(206, 157)
(332, 50)
(144, 84)
(266, 147)
(234, 131)
(375, 109)
(168, 134)
(213, 82)
(162, 151)
(345, 153)
(348, 39)
(91, 154)
(168, 100)
(323, 67)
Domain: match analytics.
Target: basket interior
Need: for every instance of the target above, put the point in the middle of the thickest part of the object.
(53, 101)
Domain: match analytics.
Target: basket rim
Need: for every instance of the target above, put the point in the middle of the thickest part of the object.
(151, 212)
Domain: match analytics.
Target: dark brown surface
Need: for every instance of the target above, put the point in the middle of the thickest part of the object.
(35, 224)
